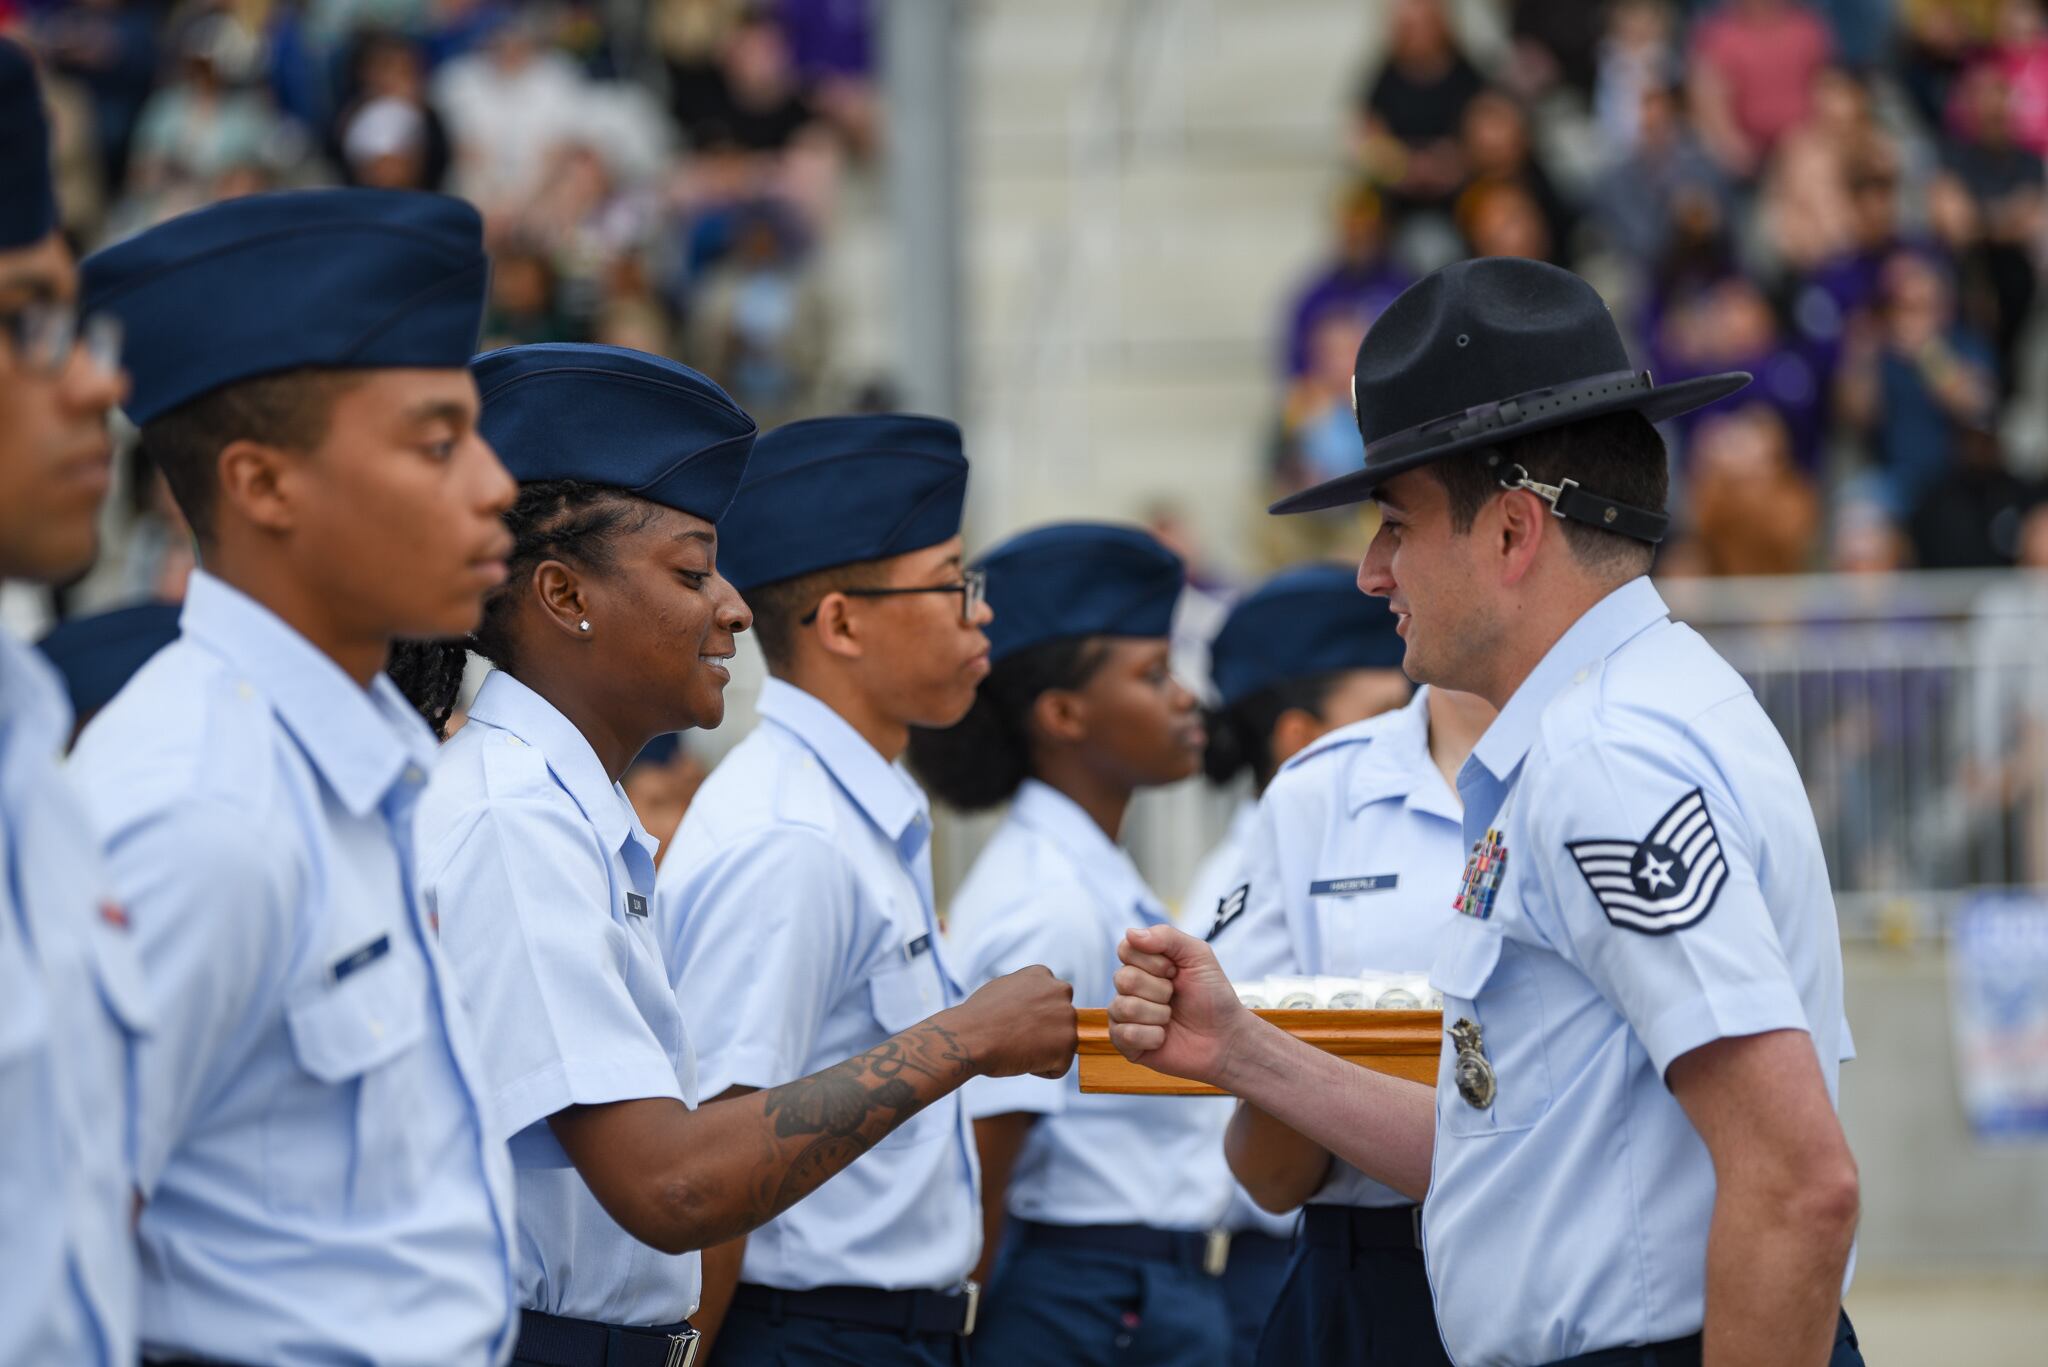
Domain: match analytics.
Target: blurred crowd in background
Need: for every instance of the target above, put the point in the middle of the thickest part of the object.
(1844, 198)
(663, 184)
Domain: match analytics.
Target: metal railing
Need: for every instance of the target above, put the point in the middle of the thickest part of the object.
(1915, 705)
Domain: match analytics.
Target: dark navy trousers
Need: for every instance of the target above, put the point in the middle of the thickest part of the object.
(1064, 1307)
(1251, 1286)
(759, 1338)
(1349, 1303)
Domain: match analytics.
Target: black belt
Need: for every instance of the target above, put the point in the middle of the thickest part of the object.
(557, 1341)
(1187, 1247)
(1363, 1228)
(948, 1313)
(1683, 1352)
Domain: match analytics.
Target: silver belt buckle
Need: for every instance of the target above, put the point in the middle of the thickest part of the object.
(682, 1349)
(972, 1290)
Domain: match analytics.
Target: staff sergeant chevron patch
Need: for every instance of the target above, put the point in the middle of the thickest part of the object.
(1664, 882)
(1228, 909)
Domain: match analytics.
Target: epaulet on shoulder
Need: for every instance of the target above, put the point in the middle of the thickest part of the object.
(512, 768)
(1356, 734)
(236, 758)
(1574, 714)
(803, 794)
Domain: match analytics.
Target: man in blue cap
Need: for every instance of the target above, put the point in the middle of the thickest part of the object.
(1632, 1155)
(320, 1178)
(797, 907)
(70, 1000)
(1342, 871)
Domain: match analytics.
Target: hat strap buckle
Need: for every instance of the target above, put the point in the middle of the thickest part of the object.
(1568, 500)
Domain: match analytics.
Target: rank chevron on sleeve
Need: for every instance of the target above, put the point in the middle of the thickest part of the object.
(1664, 882)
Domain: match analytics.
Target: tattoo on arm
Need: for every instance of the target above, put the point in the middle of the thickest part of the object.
(840, 1113)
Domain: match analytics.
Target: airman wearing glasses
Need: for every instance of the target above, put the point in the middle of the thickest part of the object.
(796, 910)
(70, 1002)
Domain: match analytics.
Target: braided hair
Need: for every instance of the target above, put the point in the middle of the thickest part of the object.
(556, 519)
(982, 760)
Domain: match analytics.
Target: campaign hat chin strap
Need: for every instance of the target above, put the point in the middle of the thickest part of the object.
(1569, 500)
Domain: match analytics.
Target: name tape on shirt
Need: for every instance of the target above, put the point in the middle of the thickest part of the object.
(357, 960)
(1229, 908)
(1667, 880)
(636, 905)
(921, 945)
(1345, 887)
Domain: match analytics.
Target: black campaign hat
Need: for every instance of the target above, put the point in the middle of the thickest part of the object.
(1485, 350)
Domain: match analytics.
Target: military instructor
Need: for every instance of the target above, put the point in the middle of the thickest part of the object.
(1632, 1154)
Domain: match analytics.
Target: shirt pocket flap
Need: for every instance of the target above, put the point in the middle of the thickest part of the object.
(119, 973)
(1465, 959)
(344, 1029)
(902, 996)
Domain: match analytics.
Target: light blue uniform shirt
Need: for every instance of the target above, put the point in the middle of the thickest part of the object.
(1350, 869)
(1217, 878)
(796, 910)
(321, 1186)
(72, 1010)
(1663, 888)
(542, 880)
(1051, 888)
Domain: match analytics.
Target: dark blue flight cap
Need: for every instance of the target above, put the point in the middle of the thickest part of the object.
(97, 655)
(1079, 579)
(835, 491)
(28, 204)
(1302, 622)
(338, 279)
(607, 415)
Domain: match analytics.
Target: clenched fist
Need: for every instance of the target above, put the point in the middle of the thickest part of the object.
(1022, 1022)
(1175, 1011)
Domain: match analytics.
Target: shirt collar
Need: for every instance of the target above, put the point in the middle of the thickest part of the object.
(1607, 626)
(510, 706)
(880, 789)
(1106, 864)
(1398, 765)
(361, 740)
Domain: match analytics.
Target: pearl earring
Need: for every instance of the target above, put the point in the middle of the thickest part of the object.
(584, 625)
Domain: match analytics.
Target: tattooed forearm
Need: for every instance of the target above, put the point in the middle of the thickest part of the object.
(840, 1113)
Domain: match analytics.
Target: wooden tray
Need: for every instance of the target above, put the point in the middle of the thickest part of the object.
(1401, 1043)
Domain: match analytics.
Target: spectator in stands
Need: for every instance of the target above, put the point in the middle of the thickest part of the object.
(1751, 509)
(2021, 56)
(1811, 214)
(1846, 284)
(832, 44)
(761, 324)
(1321, 426)
(760, 104)
(691, 36)
(1360, 277)
(509, 104)
(1972, 518)
(405, 143)
(1912, 377)
(1752, 68)
(1940, 38)
(1553, 45)
(209, 129)
(1730, 325)
(1635, 58)
(1663, 178)
(110, 47)
(1867, 541)
(1411, 114)
(1495, 143)
(525, 304)
(1504, 219)
(1987, 206)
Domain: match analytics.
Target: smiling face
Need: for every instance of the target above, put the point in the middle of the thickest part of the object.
(55, 457)
(1430, 575)
(664, 620)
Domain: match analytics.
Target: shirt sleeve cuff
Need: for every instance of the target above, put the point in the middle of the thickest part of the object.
(987, 1096)
(751, 1066)
(1721, 1013)
(584, 1082)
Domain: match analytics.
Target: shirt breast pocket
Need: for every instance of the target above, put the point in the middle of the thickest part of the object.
(1488, 981)
(901, 996)
(360, 1041)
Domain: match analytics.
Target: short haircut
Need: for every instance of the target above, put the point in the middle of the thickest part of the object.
(290, 409)
(779, 608)
(1619, 456)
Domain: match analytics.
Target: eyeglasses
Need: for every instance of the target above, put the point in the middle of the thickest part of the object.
(972, 588)
(45, 334)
